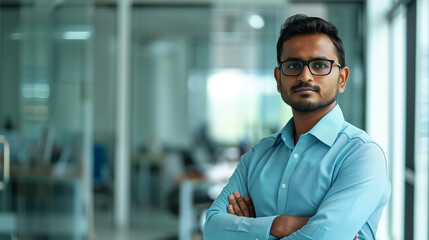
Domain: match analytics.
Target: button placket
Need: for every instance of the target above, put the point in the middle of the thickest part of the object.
(290, 168)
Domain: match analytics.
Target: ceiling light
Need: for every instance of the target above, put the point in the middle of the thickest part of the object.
(76, 35)
(256, 21)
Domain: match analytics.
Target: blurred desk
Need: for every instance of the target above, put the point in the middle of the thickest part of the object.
(43, 173)
(49, 204)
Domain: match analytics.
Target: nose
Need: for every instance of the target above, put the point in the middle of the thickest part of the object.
(305, 75)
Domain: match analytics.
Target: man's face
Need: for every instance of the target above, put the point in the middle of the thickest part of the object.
(306, 92)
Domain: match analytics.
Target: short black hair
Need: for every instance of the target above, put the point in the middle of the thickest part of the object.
(301, 24)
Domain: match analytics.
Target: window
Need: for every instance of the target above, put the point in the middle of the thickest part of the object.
(421, 158)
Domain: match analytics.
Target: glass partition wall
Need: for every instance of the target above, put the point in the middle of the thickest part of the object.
(46, 115)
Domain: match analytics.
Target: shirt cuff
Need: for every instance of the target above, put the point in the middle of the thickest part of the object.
(272, 238)
(259, 228)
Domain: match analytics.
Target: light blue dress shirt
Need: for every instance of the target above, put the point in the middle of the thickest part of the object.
(335, 173)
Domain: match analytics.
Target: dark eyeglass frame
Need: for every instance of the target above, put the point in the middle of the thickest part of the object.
(307, 63)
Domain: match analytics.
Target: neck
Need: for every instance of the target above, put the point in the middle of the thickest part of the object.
(305, 121)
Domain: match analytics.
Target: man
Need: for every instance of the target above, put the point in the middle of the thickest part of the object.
(319, 177)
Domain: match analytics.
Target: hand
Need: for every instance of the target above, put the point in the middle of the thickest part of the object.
(240, 206)
(285, 225)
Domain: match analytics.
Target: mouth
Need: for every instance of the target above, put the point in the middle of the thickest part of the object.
(304, 90)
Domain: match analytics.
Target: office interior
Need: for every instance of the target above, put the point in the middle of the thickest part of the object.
(124, 119)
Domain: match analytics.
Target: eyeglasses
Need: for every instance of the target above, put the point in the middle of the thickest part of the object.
(317, 67)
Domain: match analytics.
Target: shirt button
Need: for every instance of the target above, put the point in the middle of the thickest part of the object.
(296, 155)
(283, 185)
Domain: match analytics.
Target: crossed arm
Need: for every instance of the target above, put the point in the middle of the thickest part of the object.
(359, 192)
(283, 225)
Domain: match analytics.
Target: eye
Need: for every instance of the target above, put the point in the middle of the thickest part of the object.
(293, 65)
(320, 64)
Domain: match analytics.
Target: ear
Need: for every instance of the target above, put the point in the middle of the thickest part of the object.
(277, 76)
(344, 75)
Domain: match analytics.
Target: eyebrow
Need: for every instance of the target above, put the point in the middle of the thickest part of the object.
(300, 59)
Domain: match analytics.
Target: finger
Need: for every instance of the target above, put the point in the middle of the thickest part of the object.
(230, 209)
(236, 208)
(250, 206)
(243, 206)
(357, 235)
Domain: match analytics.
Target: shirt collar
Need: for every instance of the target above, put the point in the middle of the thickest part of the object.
(286, 134)
(326, 130)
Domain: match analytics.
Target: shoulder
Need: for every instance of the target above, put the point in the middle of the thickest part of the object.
(260, 148)
(269, 140)
(359, 137)
(360, 145)
(265, 143)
